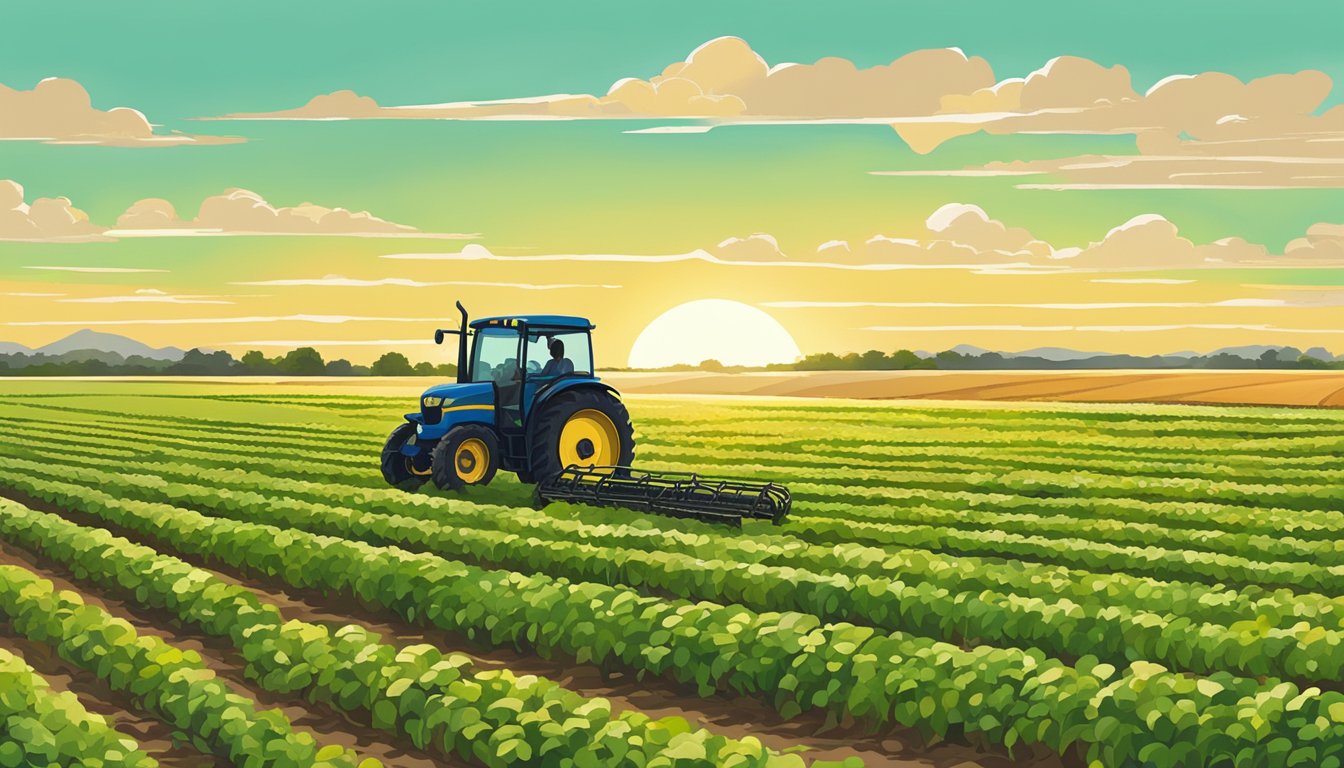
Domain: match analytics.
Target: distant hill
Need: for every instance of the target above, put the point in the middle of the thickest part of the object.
(1055, 353)
(107, 342)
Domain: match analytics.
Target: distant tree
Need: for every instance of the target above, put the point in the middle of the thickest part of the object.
(198, 363)
(304, 361)
(360, 370)
(711, 365)
(905, 360)
(255, 364)
(874, 360)
(948, 359)
(392, 364)
(445, 370)
(1307, 361)
(424, 369)
(339, 368)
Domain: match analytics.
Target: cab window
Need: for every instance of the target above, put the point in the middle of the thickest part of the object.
(496, 356)
(556, 354)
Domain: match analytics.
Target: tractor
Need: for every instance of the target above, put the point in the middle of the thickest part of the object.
(527, 401)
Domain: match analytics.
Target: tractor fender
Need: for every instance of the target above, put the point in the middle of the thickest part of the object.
(566, 386)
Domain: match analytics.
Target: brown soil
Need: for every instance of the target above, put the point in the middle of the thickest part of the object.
(734, 716)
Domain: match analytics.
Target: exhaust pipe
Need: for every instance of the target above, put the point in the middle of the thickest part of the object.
(462, 373)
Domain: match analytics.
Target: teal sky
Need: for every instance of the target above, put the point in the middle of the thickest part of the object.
(557, 187)
(176, 60)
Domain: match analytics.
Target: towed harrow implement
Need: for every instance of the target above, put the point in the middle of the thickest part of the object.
(675, 494)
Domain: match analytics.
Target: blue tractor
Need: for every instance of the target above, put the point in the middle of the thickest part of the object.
(527, 401)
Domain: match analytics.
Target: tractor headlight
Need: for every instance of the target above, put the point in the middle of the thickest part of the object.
(433, 402)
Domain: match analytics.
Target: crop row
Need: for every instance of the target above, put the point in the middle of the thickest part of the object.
(1117, 633)
(673, 443)
(877, 464)
(39, 726)
(823, 498)
(171, 683)
(1318, 529)
(439, 701)
(1304, 496)
(1031, 480)
(1092, 593)
(1143, 714)
(1128, 418)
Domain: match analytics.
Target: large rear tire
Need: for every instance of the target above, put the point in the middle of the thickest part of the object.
(399, 469)
(467, 455)
(584, 427)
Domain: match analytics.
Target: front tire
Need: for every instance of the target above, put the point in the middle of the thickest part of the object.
(586, 427)
(467, 455)
(399, 469)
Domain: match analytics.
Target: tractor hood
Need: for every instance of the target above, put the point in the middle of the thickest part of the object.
(449, 395)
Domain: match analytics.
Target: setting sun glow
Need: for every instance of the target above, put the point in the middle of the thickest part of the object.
(713, 329)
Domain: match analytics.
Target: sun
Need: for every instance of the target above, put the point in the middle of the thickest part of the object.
(713, 329)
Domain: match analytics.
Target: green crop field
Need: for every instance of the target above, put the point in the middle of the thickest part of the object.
(218, 574)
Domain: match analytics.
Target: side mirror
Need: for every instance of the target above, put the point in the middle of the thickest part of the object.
(438, 337)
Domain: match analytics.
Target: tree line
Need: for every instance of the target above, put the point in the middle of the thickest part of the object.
(304, 361)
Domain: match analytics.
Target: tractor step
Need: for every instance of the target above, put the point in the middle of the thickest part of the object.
(676, 494)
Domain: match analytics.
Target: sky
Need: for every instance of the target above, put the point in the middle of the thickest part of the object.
(979, 197)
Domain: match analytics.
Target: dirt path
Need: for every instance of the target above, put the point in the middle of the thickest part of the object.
(731, 715)
(326, 725)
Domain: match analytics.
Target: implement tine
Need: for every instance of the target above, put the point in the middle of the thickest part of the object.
(677, 494)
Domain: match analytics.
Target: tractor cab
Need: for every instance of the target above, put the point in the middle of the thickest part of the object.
(526, 400)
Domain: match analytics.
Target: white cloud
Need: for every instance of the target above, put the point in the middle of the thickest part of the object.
(253, 319)
(1077, 306)
(1102, 328)
(46, 219)
(148, 296)
(243, 212)
(292, 343)
(338, 281)
(59, 111)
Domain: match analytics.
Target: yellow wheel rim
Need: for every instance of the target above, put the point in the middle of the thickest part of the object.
(589, 438)
(471, 460)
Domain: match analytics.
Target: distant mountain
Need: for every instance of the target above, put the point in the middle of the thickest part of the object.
(968, 349)
(10, 348)
(109, 342)
(1253, 351)
(1320, 353)
(1058, 354)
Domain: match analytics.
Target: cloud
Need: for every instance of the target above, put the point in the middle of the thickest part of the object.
(1322, 243)
(722, 79)
(1078, 306)
(1152, 242)
(755, 247)
(148, 296)
(251, 319)
(59, 111)
(243, 212)
(956, 236)
(1209, 130)
(293, 343)
(1101, 328)
(235, 212)
(338, 281)
(46, 219)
